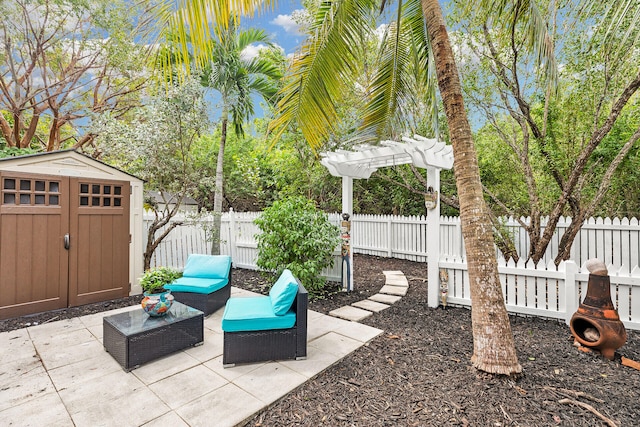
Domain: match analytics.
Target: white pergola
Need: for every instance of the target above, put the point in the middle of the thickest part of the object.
(422, 152)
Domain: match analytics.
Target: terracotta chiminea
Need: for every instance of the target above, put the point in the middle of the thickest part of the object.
(596, 324)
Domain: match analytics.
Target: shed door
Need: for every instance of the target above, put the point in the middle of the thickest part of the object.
(34, 217)
(99, 240)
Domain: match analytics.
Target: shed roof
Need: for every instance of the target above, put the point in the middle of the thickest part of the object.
(65, 163)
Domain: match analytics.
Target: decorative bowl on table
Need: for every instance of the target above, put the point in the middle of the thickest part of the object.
(157, 305)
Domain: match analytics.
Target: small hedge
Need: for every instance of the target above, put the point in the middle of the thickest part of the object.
(298, 236)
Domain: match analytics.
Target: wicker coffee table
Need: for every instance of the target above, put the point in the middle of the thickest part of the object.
(134, 338)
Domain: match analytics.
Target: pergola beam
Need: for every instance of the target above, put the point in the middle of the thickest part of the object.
(362, 163)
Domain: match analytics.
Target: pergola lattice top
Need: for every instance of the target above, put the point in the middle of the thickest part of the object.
(420, 151)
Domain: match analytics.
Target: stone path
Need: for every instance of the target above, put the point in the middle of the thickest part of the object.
(395, 287)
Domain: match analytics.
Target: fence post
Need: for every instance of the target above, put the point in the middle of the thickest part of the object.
(347, 208)
(389, 236)
(571, 290)
(232, 234)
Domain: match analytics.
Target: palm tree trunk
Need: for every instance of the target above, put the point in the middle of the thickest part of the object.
(493, 344)
(218, 193)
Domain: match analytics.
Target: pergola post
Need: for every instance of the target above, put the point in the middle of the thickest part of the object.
(347, 195)
(347, 207)
(433, 240)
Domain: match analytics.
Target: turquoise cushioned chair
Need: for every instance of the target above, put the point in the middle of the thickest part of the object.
(263, 328)
(205, 283)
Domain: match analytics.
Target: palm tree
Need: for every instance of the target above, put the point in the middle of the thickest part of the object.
(309, 97)
(493, 345)
(236, 78)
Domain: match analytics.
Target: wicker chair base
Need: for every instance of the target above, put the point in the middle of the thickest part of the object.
(272, 344)
(207, 303)
(257, 346)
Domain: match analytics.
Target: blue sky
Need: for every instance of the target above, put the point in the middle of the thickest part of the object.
(279, 25)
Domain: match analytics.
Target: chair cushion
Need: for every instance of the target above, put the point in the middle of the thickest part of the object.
(197, 285)
(254, 314)
(283, 292)
(207, 266)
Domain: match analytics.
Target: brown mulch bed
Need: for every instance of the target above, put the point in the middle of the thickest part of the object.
(417, 373)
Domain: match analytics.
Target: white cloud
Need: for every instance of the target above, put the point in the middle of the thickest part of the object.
(252, 51)
(287, 22)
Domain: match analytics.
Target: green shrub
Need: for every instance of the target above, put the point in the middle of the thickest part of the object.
(154, 279)
(297, 236)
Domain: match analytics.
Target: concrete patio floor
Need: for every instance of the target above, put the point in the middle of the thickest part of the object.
(58, 374)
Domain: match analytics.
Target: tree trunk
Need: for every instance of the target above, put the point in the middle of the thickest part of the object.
(160, 222)
(218, 194)
(493, 345)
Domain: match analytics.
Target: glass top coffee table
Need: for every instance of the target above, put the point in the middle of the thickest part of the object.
(134, 337)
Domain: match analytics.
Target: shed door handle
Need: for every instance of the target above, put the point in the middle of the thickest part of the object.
(67, 241)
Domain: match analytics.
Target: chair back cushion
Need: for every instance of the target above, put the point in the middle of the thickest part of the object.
(207, 266)
(283, 292)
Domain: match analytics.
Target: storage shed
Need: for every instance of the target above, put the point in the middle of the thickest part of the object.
(70, 232)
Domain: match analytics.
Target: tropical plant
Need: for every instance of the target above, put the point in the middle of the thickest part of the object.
(236, 78)
(417, 35)
(154, 279)
(298, 236)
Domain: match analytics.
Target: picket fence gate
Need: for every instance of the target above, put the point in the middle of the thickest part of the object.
(540, 290)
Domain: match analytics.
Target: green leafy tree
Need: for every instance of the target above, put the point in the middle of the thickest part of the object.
(157, 145)
(546, 153)
(298, 236)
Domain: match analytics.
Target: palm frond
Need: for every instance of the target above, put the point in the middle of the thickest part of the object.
(250, 36)
(320, 70)
(621, 24)
(192, 21)
(405, 79)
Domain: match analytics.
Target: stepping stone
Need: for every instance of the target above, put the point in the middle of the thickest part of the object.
(394, 290)
(370, 305)
(393, 273)
(397, 281)
(384, 298)
(350, 313)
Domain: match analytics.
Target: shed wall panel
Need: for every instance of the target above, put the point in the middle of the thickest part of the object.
(99, 256)
(33, 263)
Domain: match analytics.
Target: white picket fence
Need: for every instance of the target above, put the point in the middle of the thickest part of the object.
(614, 241)
(547, 291)
(541, 290)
